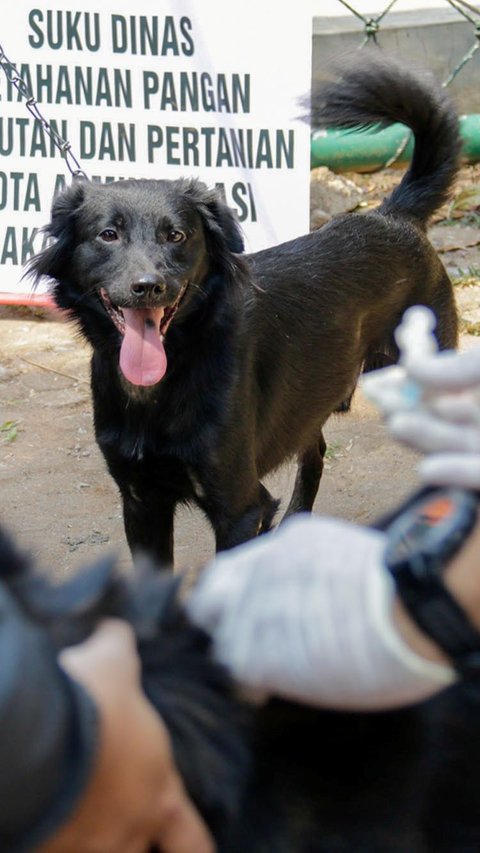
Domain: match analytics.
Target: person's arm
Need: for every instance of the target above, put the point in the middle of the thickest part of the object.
(85, 761)
(310, 613)
(462, 579)
(135, 799)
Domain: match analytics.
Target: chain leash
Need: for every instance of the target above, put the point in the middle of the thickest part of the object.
(65, 148)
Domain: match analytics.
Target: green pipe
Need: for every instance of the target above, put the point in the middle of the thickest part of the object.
(370, 150)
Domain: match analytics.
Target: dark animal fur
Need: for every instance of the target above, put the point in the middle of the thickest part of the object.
(283, 779)
(263, 347)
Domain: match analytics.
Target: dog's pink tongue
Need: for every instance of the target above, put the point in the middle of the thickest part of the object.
(142, 356)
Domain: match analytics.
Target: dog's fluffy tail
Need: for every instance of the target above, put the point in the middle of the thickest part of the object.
(373, 90)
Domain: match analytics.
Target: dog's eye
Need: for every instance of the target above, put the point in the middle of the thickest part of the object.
(175, 236)
(108, 235)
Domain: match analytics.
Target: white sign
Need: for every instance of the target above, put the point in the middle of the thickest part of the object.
(157, 90)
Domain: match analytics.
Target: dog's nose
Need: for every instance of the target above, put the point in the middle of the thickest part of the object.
(148, 284)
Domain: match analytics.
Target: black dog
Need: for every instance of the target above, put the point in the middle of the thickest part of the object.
(283, 779)
(211, 369)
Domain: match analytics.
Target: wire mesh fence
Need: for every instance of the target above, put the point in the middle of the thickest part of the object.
(445, 39)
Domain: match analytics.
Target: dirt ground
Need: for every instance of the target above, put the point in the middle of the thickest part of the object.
(56, 495)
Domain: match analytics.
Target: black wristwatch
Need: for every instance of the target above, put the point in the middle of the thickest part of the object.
(422, 538)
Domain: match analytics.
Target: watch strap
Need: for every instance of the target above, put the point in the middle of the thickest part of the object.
(438, 614)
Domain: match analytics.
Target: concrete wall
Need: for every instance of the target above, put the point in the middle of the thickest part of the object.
(436, 39)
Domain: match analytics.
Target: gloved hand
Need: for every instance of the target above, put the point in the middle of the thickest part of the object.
(305, 612)
(447, 425)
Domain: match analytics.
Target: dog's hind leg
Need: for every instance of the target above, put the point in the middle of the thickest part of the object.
(444, 307)
(309, 473)
(149, 528)
(249, 522)
(270, 506)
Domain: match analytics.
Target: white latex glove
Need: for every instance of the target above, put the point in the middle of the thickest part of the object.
(431, 401)
(447, 425)
(305, 613)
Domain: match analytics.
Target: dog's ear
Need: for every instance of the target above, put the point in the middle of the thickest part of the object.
(61, 228)
(221, 225)
(221, 220)
(65, 206)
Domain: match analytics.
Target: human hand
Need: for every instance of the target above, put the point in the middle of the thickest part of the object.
(135, 799)
(306, 613)
(447, 425)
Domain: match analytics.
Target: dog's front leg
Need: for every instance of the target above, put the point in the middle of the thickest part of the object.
(148, 505)
(234, 523)
(309, 472)
(232, 532)
(149, 526)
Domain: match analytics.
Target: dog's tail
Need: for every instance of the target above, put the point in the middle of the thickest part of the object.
(378, 91)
